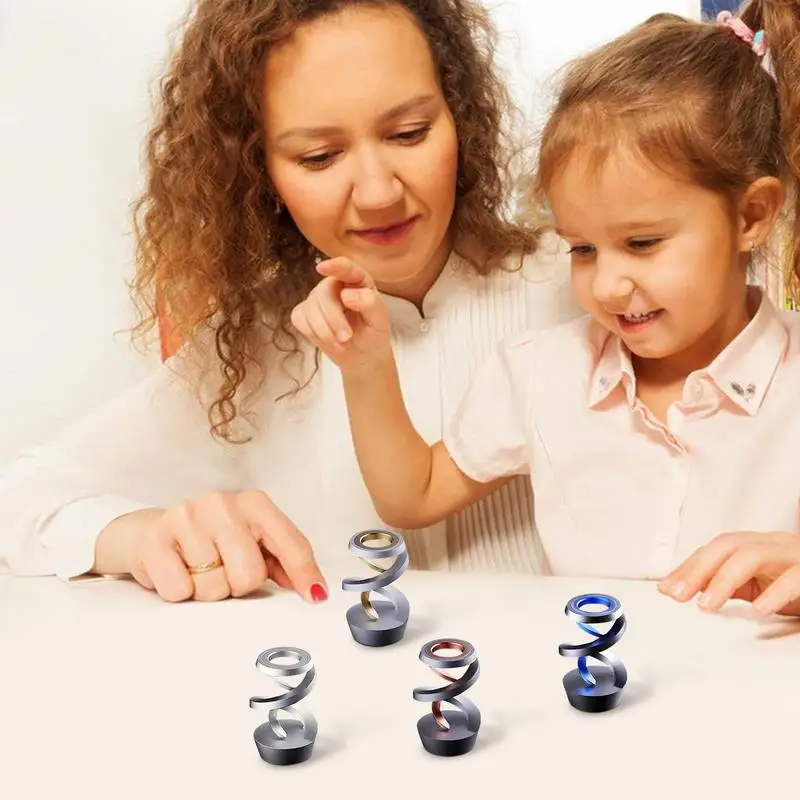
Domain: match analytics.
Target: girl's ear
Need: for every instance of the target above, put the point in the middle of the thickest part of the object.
(759, 210)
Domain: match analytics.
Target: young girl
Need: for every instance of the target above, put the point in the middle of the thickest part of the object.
(661, 431)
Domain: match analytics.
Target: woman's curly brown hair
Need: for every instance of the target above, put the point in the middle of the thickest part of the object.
(209, 233)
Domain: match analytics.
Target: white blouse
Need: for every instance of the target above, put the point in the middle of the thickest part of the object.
(151, 446)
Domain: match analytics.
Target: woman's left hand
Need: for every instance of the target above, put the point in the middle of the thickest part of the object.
(762, 568)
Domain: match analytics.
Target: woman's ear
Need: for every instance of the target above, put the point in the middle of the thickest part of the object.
(759, 209)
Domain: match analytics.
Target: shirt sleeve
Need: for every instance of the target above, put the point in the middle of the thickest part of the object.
(487, 437)
(149, 447)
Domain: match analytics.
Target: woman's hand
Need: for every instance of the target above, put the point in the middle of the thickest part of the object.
(217, 546)
(762, 568)
(345, 317)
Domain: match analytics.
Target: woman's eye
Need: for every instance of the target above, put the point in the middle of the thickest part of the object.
(323, 160)
(582, 250)
(317, 161)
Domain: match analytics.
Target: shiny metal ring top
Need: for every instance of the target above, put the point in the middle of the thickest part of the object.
(465, 657)
(611, 611)
(394, 547)
(267, 663)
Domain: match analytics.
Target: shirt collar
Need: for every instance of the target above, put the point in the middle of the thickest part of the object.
(742, 371)
(613, 368)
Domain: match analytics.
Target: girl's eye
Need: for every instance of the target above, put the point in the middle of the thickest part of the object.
(643, 244)
(582, 250)
(411, 137)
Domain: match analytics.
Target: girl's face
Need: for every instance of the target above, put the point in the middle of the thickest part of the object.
(361, 146)
(658, 261)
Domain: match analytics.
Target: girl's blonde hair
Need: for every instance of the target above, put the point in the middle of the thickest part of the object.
(694, 99)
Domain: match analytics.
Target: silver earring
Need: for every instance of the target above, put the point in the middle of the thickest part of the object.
(752, 271)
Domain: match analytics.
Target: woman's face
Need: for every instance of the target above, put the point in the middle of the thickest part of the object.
(361, 145)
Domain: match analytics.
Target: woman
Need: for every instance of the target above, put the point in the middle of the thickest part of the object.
(370, 130)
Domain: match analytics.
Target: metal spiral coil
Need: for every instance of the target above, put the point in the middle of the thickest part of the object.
(449, 733)
(378, 623)
(290, 740)
(598, 688)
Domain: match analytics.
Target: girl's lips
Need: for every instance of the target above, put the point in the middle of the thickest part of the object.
(636, 326)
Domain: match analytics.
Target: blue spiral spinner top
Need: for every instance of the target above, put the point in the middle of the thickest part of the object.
(599, 687)
(384, 621)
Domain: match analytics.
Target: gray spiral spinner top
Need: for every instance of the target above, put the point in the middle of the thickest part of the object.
(288, 741)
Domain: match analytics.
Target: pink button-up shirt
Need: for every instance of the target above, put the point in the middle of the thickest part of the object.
(617, 493)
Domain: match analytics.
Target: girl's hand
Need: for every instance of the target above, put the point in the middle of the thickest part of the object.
(762, 568)
(344, 317)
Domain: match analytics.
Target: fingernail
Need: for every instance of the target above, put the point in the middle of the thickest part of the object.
(318, 593)
(343, 336)
(676, 589)
(704, 601)
(762, 611)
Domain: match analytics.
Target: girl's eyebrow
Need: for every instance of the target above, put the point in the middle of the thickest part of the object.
(636, 225)
(633, 225)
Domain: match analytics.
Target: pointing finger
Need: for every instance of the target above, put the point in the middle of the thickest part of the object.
(286, 543)
(346, 271)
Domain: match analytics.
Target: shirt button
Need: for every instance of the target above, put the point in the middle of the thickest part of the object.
(424, 327)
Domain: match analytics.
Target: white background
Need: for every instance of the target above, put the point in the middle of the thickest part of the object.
(75, 77)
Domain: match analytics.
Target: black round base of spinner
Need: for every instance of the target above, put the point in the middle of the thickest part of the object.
(385, 630)
(602, 696)
(295, 748)
(457, 741)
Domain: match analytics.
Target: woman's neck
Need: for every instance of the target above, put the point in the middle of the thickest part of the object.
(416, 287)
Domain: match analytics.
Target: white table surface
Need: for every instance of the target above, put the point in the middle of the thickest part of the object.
(107, 691)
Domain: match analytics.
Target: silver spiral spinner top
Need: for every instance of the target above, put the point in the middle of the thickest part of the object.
(285, 741)
(378, 623)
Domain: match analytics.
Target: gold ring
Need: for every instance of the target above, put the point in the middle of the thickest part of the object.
(207, 567)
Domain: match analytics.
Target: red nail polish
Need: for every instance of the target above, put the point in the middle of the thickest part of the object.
(318, 593)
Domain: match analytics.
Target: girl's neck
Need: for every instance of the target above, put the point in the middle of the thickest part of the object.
(674, 369)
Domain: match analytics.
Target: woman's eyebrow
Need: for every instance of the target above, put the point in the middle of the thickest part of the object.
(316, 132)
